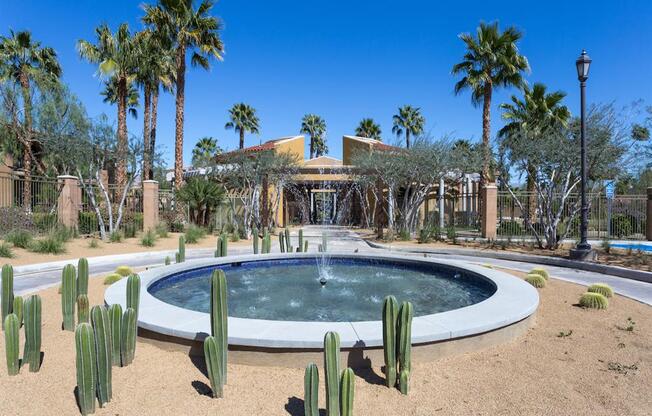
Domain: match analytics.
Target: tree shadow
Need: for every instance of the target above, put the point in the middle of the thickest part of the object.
(202, 388)
(296, 407)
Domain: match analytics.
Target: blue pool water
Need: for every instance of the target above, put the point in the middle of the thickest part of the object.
(633, 246)
(290, 289)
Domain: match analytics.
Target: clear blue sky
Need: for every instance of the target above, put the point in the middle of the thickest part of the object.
(346, 60)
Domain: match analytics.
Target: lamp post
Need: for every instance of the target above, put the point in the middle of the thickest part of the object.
(583, 250)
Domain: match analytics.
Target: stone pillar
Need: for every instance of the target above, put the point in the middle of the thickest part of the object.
(150, 205)
(69, 202)
(489, 208)
(442, 207)
(7, 182)
(648, 222)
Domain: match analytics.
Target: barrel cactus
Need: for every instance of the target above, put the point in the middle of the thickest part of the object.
(82, 309)
(128, 337)
(133, 292)
(405, 315)
(18, 309)
(311, 390)
(32, 317)
(347, 387)
(12, 343)
(213, 355)
(390, 316)
(103, 349)
(115, 318)
(181, 254)
(540, 271)
(86, 368)
(219, 316)
(254, 236)
(7, 301)
(601, 288)
(332, 372)
(82, 277)
(68, 297)
(124, 271)
(594, 301)
(536, 280)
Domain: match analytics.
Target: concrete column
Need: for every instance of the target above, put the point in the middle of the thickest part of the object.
(7, 182)
(150, 205)
(442, 207)
(648, 222)
(69, 202)
(489, 209)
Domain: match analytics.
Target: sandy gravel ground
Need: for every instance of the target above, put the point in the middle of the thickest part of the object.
(599, 369)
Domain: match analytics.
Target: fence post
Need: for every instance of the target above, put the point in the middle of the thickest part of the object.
(6, 182)
(150, 205)
(69, 201)
(648, 220)
(489, 209)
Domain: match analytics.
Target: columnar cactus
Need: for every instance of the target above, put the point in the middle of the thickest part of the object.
(18, 309)
(128, 337)
(115, 318)
(281, 241)
(68, 297)
(305, 246)
(311, 390)
(254, 236)
(103, 349)
(288, 241)
(86, 368)
(405, 316)
(347, 387)
(218, 246)
(168, 260)
(82, 309)
(82, 277)
(12, 343)
(7, 301)
(267, 244)
(219, 316)
(213, 355)
(300, 239)
(390, 315)
(181, 254)
(224, 244)
(332, 371)
(32, 316)
(133, 292)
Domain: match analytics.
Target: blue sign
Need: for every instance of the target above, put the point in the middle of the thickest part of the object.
(610, 189)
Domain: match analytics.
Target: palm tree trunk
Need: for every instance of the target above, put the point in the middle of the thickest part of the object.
(532, 197)
(152, 141)
(121, 174)
(407, 138)
(146, 131)
(312, 146)
(486, 131)
(27, 143)
(178, 145)
(241, 138)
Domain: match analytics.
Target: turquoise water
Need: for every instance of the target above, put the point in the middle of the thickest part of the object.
(633, 246)
(354, 289)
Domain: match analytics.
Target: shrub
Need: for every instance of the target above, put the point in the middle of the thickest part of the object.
(404, 235)
(594, 301)
(93, 243)
(536, 280)
(541, 272)
(606, 246)
(123, 270)
(429, 233)
(234, 237)
(50, 244)
(112, 278)
(451, 233)
(63, 233)
(44, 222)
(621, 225)
(88, 223)
(509, 227)
(162, 230)
(12, 218)
(115, 237)
(129, 230)
(148, 239)
(5, 250)
(176, 227)
(601, 288)
(19, 238)
(194, 234)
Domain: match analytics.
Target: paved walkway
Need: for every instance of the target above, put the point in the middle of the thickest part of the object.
(36, 277)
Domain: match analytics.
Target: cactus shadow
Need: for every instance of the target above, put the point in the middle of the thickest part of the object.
(295, 407)
(75, 393)
(202, 388)
(199, 363)
(361, 365)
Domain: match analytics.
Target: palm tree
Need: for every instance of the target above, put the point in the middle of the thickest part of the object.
(408, 121)
(205, 149)
(492, 60)
(243, 119)
(116, 57)
(315, 126)
(187, 29)
(369, 129)
(22, 60)
(110, 94)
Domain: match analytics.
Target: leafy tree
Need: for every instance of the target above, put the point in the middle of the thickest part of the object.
(368, 128)
(187, 29)
(22, 60)
(492, 60)
(315, 126)
(243, 119)
(408, 121)
(205, 151)
(202, 197)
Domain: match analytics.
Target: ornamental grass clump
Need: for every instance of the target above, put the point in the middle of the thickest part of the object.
(540, 271)
(148, 239)
(5, 250)
(601, 288)
(50, 244)
(19, 238)
(194, 234)
(536, 280)
(594, 301)
(112, 278)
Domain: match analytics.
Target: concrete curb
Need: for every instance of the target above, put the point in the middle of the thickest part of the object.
(638, 275)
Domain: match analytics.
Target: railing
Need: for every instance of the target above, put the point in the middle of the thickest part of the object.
(132, 214)
(37, 215)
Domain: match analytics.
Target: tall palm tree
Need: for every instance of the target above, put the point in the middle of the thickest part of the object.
(243, 119)
(408, 121)
(368, 128)
(188, 30)
(492, 60)
(22, 60)
(205, 149)
(116, 57)
(110, 94)
(315, 126)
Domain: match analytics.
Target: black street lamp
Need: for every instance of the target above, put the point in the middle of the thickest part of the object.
(583, 250)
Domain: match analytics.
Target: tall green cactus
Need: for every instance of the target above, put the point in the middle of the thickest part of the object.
(103, 349)
(405, 315)
(267, 243)
(86, 368)
(18, 309)
(7, 301)
(32, 316)
(218, 246)
(115, 317)
(305, 246)
(82, 309)
(332, 372)
(300, 239)
(213, 356)
(128, 337)
(12, 343)
(168, 260)
(219, 316)
(288, 241)
(224, 245)
(254, 236)
(181, 254)
(133, 292)
(281, 241)
(347, 387)
(311, 390)
(390, 316)
(82, 277)
(68, 297)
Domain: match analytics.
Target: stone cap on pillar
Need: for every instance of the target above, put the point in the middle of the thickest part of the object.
(150, 181)
(63, 177)
(490, 185)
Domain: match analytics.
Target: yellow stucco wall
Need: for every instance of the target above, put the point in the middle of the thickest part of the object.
(351, 147)
(293, 146)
